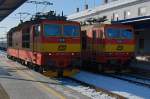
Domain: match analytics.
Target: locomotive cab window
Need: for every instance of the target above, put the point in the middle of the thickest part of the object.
(9, 39)
(71, 30)
(127, 33)
(113, 33)
(119, 33)
(52, 29)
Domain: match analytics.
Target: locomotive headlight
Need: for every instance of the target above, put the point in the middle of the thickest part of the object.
(50, 54)
(72, 53)
(127, 53)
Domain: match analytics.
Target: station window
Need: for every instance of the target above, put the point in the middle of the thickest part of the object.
(127, 14)
(142, 11)
(26, 38)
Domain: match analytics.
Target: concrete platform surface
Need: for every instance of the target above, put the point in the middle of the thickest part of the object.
(21, 83)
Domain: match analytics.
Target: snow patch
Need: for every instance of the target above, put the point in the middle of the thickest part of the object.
(117, 86)
(85, 90)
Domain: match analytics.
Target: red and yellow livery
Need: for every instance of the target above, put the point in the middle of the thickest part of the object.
(108, 43)
(46, 44)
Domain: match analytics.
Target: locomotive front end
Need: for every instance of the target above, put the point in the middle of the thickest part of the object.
(61, 45)
(119, 44)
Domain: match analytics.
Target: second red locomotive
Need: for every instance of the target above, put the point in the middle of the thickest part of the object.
(108, 44)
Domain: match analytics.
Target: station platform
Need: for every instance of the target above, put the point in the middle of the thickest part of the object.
(18, 82)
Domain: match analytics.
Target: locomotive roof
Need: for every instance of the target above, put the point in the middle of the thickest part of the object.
(31, 22)
(85, 27)
(21, 25)
(38, 18)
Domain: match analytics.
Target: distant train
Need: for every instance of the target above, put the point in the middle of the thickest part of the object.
(48, 42)
(3, 45)
(108, 44)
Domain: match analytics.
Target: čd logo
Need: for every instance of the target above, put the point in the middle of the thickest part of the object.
(62, 47)
(120, 48)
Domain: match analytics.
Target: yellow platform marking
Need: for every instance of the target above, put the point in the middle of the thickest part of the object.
(50, 90)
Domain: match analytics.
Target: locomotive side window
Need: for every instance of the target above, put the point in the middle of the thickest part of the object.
(52, 29)
(26, 37)
(9, 39)
(37, 30)
(71, 30)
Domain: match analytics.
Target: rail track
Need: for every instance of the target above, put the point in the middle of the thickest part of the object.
(143, 81)
(116, 96)
(139, 80)
(137, 76)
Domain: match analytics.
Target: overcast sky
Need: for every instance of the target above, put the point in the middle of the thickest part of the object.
(68, 6)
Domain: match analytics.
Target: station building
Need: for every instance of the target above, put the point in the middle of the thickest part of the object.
(133, 12)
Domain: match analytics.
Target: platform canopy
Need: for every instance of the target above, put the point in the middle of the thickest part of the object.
(8, 6)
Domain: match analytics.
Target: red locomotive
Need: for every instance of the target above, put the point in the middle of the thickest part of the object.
(47, 42)
(108, 44)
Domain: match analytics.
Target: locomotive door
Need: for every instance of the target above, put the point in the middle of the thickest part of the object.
(36, 34)
(84, 42)
(94, 44)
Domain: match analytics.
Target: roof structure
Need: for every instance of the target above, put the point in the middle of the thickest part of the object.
(8, 6)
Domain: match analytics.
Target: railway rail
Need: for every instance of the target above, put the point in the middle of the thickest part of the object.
(137, 76)
(130, 78)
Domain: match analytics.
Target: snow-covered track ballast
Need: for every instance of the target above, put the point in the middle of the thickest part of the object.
(116, 96)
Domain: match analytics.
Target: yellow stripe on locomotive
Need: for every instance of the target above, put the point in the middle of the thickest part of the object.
(50, 47)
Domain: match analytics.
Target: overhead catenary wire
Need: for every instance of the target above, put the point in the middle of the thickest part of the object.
(46, 3)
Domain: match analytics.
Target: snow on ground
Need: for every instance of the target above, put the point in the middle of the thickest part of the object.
(143, 58)
(85, 90)
(120, 87)
(3, 53)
